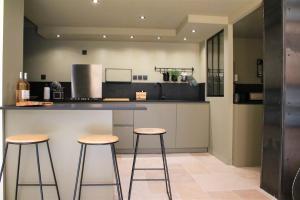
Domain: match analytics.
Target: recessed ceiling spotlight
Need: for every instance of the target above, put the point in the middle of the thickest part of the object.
(158, 37)
(104, 36)
(142, 17)
(58, 36)
(184, 38)
(131, 37)
(193, 31)
(96, 1)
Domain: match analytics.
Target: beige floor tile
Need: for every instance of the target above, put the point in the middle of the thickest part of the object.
(251, 195)
(228, 195)
(197, 176)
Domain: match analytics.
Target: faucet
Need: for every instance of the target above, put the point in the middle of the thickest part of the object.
(160, 92)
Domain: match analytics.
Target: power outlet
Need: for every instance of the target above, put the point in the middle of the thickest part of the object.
(43, 76)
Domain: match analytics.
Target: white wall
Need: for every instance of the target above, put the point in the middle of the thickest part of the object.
(221, 108)
(11, 56)
(55, 57)
(13, 47)
(1, 88)
(246, 53)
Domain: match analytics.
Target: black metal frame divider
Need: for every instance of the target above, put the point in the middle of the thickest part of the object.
(165, 167)
(40, 184)
(82, 159)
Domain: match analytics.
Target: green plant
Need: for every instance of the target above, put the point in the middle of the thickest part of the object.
(175, 73)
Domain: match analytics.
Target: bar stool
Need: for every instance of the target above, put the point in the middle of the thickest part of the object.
(151, 132)
(21, 140)
(97, 140)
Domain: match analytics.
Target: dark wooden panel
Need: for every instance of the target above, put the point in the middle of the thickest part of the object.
(273, 79)
(291, 139)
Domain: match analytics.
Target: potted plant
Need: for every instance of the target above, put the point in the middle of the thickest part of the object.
(174, 75)
(166, 76)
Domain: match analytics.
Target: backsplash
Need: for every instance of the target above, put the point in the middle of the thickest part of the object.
(171, 91)
(244, 90)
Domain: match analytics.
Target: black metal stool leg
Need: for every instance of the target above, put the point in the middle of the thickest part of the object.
(133, 166)
(18, 172)
(52, 166)
(39, 170)
(4, 160)
(166, 170)
(78, 170)
(117, 174)
(82, 170)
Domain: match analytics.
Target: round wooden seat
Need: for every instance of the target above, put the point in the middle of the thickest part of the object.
(27, 139)
(98, 139)
(150, 131)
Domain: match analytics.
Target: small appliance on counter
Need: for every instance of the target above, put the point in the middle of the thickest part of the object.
(141, 96)
(57, 91)
(256, 96)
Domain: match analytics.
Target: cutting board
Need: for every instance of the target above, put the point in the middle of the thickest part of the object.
(116, 99)
(33, 103)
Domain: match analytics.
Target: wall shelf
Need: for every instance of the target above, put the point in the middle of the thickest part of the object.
(167, 69)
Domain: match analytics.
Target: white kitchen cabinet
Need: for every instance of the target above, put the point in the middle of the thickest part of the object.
(157, 115)
(193, 125)
(125, 134)
(187, 125)
(123, 128)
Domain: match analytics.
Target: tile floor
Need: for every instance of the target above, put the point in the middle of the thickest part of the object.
(193, 176)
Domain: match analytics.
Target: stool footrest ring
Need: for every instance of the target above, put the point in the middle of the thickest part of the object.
(34, 184)
(149, 179)
(149, 169)
(100, 184)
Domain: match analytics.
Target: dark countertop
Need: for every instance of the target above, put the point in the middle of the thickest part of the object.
(131, 105)
(80, 106)
(147, 101)
(169, 101)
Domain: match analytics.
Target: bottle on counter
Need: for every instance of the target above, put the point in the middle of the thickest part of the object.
(21, 89)
(27, 93)
(46, 93)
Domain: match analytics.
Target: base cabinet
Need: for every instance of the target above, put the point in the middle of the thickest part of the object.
(247, 136)
(157, 116)
(123, 128)
(125, 135)
(187, 125)
(192, 126)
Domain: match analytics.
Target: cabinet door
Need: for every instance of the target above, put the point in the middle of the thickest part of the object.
(123, 117)
(125, 135)
(123, 128)
(192, 126)
(157, 116)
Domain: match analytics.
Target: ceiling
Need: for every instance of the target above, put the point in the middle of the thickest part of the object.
(172, 20)
(250, 26)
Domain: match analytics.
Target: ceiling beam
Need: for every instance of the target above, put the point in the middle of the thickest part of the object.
(244, 11)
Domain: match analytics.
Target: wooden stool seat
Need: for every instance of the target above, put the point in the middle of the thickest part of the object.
(149, 131)
(27, 139)
(98, 139)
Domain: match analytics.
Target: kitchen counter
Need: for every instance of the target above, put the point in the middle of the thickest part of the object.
(64, 123)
